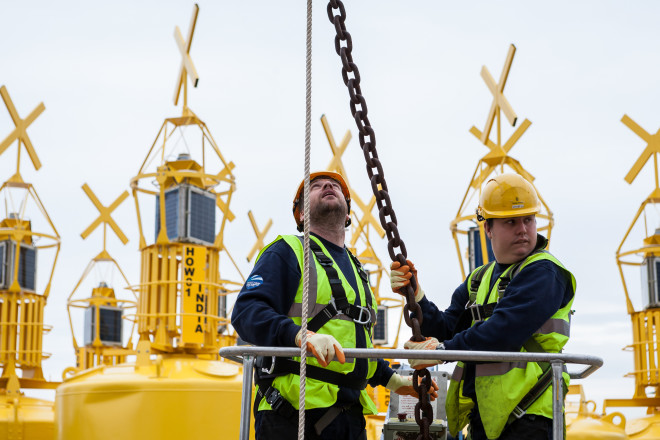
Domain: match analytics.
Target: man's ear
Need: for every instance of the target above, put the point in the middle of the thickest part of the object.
(488, 230)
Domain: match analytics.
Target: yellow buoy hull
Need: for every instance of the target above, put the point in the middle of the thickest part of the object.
(172, 398)
(26, 418)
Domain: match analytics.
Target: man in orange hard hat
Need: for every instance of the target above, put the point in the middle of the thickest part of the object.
(342, 314)
(520, 302)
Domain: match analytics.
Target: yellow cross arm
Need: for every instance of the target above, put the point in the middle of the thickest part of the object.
(104, 214)
(653, 146)
(186, 59)
(639, 131)
(26, 140)
(336, 163)
(111, 222)
(260, 235)
(639, 164)
(328, 133)
(498, 96)
(10, 105)
(9, 140)
(224, 207)
(490, 144)
(21, 126)
(366, 213)
(113, 225)
(516, 135)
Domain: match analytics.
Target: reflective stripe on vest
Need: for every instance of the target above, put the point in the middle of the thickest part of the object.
(321, 394)
(516, 378)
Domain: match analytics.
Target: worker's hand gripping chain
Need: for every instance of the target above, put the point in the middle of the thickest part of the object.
(367, 139)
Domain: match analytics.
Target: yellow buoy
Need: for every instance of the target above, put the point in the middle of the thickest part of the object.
(24, 417)
(609, 427)
(178, 397)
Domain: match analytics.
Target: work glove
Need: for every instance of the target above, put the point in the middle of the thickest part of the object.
(402, 385)
(400, 278)
(323, 347)
(427, 344)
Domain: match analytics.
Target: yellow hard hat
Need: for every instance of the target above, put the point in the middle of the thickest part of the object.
(329, 175)
(507, 195)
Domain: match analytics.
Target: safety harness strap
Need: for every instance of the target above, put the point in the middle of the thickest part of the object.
(477, 312)
(264, 378)
(271, 367)
(364, 277)
(475, 281)
(339, 302)
(543, 383)
(473, 310)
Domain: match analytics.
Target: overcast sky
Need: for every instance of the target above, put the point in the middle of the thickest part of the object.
(106, 73)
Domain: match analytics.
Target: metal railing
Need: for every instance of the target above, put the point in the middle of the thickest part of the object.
(556, 360)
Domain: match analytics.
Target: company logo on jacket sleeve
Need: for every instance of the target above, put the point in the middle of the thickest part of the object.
(253, 282)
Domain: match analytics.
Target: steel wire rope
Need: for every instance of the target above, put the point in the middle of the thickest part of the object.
(305, 298)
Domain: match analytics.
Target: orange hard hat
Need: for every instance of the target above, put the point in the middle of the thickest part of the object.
(313, 176)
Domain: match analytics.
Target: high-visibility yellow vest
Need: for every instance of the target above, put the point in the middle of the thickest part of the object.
(320, 394)
(500, 386)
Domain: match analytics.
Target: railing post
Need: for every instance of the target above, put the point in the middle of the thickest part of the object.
(558, 400)
(246, 400)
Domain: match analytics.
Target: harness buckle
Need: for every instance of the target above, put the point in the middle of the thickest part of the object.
(274, 398)
(518, 412)
(333, 303)
(475, 310)
(360, 319)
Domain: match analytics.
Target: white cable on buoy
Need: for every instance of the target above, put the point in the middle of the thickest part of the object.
(305, 298)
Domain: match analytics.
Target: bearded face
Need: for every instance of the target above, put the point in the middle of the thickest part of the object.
(327, 203)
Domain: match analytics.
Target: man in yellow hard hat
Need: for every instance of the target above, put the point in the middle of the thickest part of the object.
(342, 314)
(520, 302)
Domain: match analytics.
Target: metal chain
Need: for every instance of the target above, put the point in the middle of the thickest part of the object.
(423, 408)
(374, 168)
(412, 312)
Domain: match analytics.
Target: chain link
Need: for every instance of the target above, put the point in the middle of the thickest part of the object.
(423, 408)
(412, 313)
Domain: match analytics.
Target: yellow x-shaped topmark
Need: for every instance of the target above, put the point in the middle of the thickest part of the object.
(187, 66)
(260, 235)
(20, 132)
(337, 165)
(499, 100)
(104, 216)
(224, 206)
(499, 155)
(652, 147)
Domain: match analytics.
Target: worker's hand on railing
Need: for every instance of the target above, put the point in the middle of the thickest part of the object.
(400, 277)
(323, 347)
(402, 385)
(427, 344)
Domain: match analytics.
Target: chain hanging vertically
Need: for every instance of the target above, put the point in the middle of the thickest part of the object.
(412, 312)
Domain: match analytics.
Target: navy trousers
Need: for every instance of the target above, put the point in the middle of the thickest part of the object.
(348, 425)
